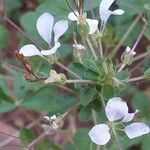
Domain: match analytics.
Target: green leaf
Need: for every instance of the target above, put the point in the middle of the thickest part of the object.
(23, 87)
(4, 96)
(78, 69)
(131, 7)
(64, 51)
(65, 102)
(4, 36)
(121, 75)
(70, 146)
(82, 140)
(12, 6)
(85, 113)
(46, 144)
(107, 91)
(26, 136)
(141, 102)
(145, 142)
(87, 95)
(3, 85)
(42, 100)
(5, 107)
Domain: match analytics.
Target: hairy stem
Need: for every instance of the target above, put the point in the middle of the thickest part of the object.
(134, 79)
(91, 48)
(68, 70)
(116, 138)
(79, 81)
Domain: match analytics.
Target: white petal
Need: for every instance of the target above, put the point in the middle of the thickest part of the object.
(44, 26)
(129, 117)
(116, 109)
(136, 129)
(105, 4)
(54, 117)
(72, 16)
(104, 15)
(118, 12)
(51, 51)
(128, 49)
(93, 24)
(59, 29)
(29, 50)
(99, 134)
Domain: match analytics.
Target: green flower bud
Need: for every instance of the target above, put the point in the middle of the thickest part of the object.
(61, 78)
(127, 56)
(56, 78)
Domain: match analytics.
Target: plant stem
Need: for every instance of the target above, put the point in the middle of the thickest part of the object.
(91, 48)
(79, 81)
(94, 116)
(122, 67)
(134, 79)
(68, 70)
(139, 37)
(116, 138)
(100, 47)
(125, 36)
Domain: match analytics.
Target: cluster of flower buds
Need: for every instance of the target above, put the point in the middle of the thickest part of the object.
(127, 56)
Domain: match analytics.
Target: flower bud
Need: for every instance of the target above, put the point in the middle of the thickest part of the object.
(56, 78)
(127, 56)
(78, 51)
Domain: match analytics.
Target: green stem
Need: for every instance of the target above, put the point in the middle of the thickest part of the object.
(100, 47)
(67, 69)
(116, 138)
(134, 79)
(91, 48)
(79, 81)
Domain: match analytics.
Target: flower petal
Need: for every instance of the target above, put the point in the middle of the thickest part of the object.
(59, 29)
(118, 12)
(129, 117)
(136, 129)
(116, 109)
(105, 4)
(99, 134)
(51, 51)
(93, 24)
(29, 50)
(72, 16)
(44, 26)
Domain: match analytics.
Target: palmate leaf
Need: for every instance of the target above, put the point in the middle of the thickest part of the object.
(26, 136)
(4, 36)
(48, 99)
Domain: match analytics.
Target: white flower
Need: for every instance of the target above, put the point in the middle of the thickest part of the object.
(105, 13)
(45, 26)
(128, 50)
(117, 109)
(92, 23)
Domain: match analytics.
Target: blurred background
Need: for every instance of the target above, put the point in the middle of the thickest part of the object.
(23, 104)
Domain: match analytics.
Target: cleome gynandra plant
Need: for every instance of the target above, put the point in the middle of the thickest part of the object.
(97, 77)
